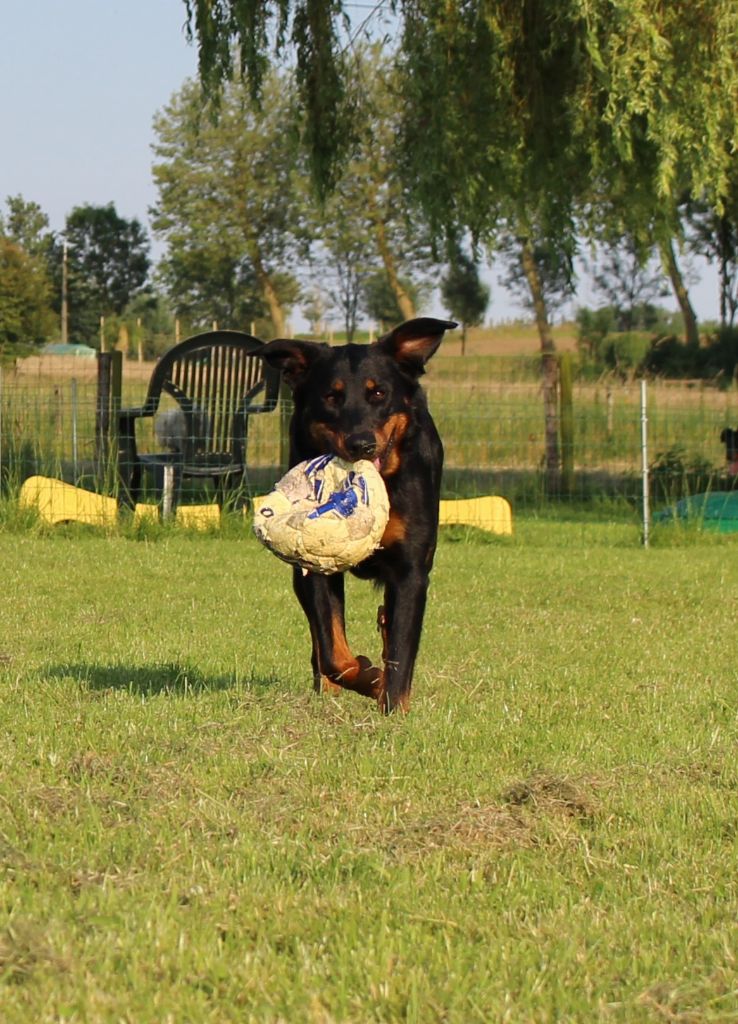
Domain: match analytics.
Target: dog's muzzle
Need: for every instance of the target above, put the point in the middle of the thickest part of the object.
(360, 446)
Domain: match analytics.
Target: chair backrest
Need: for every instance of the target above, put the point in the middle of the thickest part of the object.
(218, 380)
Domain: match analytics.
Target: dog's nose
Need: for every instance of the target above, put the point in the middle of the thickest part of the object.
(360, 446)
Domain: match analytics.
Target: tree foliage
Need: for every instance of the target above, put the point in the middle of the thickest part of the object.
(241, 36)
(231, 204)
(108, 261)
(465, 295)
(369, 234)
(626, 278)
(517, 116)
(714, 234)
(379, 298)
(26, 315)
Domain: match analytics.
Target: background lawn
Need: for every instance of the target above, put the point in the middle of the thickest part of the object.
(188, 834)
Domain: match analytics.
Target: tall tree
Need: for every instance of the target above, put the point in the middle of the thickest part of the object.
(367, 224)
(714, 234)
(379, 298)
(231, 203)
(627, 279)
(26, 224)
(26, 314)
(26, 318)
(109, 263)
(464, 293)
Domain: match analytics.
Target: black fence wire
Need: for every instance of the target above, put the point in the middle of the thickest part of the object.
(58, 420)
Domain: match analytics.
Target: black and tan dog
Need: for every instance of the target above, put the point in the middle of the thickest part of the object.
(365, 402)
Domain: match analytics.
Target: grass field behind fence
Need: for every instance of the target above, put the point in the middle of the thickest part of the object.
(489, 411)
(188, 834)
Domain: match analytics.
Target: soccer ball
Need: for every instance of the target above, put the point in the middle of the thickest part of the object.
(325, 514)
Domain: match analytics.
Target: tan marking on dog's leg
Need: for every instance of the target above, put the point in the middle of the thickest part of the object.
(352, 673)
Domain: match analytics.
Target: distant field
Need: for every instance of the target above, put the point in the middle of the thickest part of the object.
(188, 835)
(513, 339)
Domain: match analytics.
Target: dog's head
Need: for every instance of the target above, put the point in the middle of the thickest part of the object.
(356, 401)
(729, 438)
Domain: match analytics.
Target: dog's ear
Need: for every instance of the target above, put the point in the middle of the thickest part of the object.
(292, 358)
(414, 342)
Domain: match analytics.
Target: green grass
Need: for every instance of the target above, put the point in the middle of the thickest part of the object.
(188, 834)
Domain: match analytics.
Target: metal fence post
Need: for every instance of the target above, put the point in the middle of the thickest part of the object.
(644, 465)
(285, 414)
(75, 428)
(566, 423)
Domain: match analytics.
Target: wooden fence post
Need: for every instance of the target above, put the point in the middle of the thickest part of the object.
(108, 403)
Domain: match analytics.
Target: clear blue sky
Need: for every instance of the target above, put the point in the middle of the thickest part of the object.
(80, 82)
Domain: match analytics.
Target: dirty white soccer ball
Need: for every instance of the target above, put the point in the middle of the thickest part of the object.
(325, 514)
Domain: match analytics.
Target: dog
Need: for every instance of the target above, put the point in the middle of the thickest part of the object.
(729, 438)
(366, 402)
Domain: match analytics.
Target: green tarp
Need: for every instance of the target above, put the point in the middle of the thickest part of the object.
(715, 510)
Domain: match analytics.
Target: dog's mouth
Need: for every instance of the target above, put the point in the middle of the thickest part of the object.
(379, 453)
(380, 460)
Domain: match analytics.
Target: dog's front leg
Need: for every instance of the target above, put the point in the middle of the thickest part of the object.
(401, 623)
(322, 600)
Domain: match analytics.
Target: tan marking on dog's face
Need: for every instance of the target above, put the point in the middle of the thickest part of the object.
(389, 437)
(327, 441)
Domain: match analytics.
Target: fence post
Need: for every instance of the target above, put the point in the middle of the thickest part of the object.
(109, 384)
(285, 402)
(75, 434)
(566, 423)
(1, 429)
(644, 464)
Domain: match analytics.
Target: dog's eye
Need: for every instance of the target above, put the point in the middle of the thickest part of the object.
(376, 394)
(333, 399)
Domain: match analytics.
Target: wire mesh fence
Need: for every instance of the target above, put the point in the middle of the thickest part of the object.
(52, 424)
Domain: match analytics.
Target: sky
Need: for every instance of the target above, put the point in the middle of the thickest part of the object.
(81, 81)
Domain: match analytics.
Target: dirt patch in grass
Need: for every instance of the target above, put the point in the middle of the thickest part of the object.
(550, 794)
(528, 813)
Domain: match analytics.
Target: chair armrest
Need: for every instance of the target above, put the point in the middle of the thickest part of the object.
(128, 416)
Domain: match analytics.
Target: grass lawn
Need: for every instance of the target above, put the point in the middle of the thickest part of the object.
(188, 835)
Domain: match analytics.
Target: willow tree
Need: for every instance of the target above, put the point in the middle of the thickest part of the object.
(512, 109)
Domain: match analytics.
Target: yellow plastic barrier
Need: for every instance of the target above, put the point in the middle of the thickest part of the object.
(488, 513)
(57, 502)
(145, 514)
(198, 517)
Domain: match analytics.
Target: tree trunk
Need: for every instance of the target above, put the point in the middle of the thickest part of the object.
(669, 260)
(549, 370)
(407, 307)
(276, 313)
